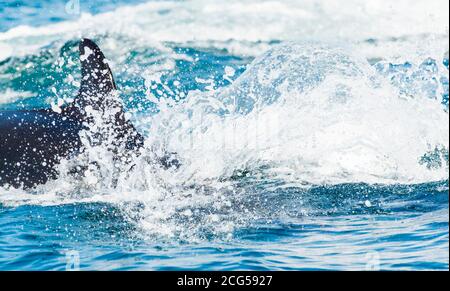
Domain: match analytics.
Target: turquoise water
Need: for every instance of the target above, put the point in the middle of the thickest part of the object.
(23, 12)
(304, 145)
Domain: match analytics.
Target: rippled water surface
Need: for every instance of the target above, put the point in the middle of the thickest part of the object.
(304, 144)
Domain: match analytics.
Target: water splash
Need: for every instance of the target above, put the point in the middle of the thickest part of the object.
(300, 117)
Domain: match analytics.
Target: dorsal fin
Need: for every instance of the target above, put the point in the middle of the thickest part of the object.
(97, 80)
(97, 91)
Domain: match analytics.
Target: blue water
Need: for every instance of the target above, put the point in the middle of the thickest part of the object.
(276, 224)
(26, 12)
(407, 227)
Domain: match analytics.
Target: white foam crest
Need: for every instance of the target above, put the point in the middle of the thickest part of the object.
(249, 22)
(309, 114)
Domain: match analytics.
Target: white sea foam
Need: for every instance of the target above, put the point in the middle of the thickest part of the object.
(312, 114)
(242, 25)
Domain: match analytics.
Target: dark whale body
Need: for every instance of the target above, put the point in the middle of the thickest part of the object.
(33, 142)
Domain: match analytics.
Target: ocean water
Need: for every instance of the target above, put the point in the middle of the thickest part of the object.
(312, 135)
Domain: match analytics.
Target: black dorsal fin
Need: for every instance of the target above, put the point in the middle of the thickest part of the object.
(97, 80)
(97, 91)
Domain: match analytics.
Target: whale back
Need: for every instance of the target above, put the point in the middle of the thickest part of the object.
(33, 142)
